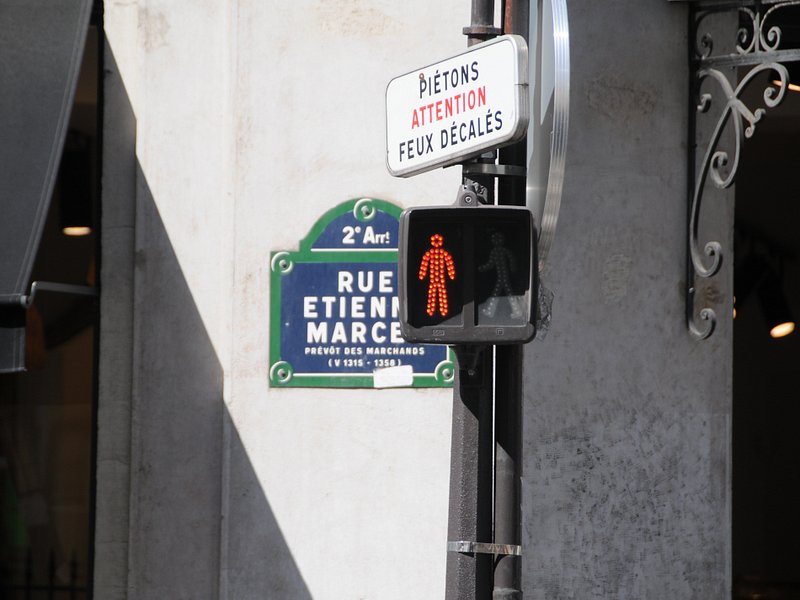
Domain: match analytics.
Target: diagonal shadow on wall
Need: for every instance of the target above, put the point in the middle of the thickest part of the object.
(260, 564)
(180, 545)
(178, 457)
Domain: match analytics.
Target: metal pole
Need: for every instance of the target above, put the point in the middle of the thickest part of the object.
(508, 457)
(481, 22)
(475, 451)
(508, 384)
(469, 575)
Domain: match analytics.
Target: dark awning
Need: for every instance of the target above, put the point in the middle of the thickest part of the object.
(41, 46)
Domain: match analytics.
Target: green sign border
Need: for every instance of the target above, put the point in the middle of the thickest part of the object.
(282, 263)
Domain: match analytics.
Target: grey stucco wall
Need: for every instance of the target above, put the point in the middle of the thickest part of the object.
(115, 362)
(626, 490)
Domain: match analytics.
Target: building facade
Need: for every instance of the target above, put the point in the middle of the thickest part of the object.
(226, 131)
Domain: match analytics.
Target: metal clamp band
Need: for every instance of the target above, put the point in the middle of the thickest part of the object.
(486, 31)
(496, 170)
(484, 548)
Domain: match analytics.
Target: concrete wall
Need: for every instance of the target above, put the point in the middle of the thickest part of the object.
(627, 418)
(231, 127)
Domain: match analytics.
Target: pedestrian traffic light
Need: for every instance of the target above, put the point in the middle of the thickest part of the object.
(467, 275)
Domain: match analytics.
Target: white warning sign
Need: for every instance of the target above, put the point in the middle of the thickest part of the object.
(460, 107)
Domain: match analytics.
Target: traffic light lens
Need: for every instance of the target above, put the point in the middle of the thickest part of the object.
(503, 264)
(437, 262)
(466, 274)
(434, 254)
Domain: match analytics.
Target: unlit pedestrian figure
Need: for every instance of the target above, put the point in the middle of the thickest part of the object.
(502, 261)
(435, 263)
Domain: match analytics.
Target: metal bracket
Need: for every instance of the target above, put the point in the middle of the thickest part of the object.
(484, 548)
(494, 170)
(472, 193)
(59, 288)
(468, 359)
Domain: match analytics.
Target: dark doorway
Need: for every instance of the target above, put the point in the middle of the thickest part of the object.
(766, 401)
(47, 414)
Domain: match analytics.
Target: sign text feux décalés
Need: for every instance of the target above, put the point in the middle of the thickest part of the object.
(457, 108)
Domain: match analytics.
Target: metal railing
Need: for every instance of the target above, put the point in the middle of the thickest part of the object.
(54, 588)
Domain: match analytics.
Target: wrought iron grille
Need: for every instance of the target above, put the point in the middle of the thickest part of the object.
(726, 61)
(29, 588)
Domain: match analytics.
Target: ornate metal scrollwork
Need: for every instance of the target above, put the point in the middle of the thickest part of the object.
(715, 160)
(757, 45)
(755, 38)
(759, 34)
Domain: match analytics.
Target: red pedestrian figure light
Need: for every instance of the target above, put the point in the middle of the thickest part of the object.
(435, 263)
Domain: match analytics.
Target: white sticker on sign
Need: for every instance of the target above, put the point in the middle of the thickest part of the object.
(393, 376)
(460, 107)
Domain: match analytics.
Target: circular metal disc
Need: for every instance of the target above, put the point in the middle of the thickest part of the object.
(549, 117)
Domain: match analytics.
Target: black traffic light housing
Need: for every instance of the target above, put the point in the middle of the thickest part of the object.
(467, 275)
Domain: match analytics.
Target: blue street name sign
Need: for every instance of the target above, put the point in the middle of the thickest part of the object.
(334, 307)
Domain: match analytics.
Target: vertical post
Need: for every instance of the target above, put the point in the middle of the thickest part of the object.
(73, 577)
(482, 28)
(469, 575)
(508, 384)
(481, 25)
(508, 457)
(29, 574)
(51, 574)
(481, 456)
